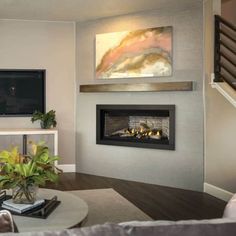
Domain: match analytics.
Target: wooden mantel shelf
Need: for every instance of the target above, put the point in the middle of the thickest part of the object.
(137, 87)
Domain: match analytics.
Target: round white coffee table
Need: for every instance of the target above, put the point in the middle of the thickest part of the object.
(71, 211)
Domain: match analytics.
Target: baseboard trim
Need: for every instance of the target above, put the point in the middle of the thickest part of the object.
(217, 192)
(67, 167)
(226, 91)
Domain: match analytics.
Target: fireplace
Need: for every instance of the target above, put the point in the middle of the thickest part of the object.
(143, 126)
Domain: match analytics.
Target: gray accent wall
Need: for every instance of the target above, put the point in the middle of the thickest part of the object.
(182, 168)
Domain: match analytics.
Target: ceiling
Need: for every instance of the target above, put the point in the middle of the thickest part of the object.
(81, 10)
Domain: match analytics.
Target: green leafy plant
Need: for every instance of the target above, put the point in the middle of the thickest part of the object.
(47, 120)
(22, 171)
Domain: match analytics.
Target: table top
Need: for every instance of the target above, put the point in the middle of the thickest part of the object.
(72, 211)
(15, 131)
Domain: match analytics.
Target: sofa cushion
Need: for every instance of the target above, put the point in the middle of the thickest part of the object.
(6, 222)
(218, 221)
(230, 209)
(220, 227)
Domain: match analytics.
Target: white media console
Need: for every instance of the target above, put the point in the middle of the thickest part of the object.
(25, 132)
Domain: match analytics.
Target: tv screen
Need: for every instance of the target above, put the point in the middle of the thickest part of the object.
(22, 92)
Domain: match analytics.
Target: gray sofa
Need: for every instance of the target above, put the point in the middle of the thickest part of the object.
(225, 226)
(217, 227)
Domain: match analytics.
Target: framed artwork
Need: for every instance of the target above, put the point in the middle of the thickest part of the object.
(132, 54)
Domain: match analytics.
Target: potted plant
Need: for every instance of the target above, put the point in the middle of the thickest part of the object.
(47, 120)
(24, 173)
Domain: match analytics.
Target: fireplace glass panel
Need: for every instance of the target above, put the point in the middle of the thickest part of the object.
(136, 125)
(143, 128)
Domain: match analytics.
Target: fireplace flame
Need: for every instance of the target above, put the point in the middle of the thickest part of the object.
(141, 132)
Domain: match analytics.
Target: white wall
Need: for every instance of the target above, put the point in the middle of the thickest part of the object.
(50, 46)
(181, 168)
(220, 163)
(228, 8)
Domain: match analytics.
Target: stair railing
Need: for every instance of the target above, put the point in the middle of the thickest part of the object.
(225, 52)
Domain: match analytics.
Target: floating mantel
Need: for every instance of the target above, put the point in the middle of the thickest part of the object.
(137, 87)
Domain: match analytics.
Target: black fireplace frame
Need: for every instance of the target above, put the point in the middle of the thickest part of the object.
(101, 139)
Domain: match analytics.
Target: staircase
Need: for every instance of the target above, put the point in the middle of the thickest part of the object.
(224, 79)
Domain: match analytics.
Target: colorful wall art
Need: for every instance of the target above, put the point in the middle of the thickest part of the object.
(130, 54)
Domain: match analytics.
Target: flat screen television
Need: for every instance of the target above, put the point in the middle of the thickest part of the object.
(22, 92)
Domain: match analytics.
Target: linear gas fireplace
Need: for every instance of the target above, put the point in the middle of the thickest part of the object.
(144, 126)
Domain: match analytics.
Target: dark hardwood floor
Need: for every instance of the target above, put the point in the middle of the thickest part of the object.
(159, 202)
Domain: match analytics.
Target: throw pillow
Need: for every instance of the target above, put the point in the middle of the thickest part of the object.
(230, 209)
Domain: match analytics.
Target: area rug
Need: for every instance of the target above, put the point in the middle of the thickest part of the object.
(106, 205)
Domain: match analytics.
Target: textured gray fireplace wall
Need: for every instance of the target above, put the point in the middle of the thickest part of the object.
(182, 168)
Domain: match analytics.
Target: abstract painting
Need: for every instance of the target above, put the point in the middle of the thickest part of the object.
(131, 54)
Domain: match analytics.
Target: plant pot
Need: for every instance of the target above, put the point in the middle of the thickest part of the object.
(45, 125)
(24, 194)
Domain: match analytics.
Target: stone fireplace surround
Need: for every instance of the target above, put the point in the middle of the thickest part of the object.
(143, 126)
